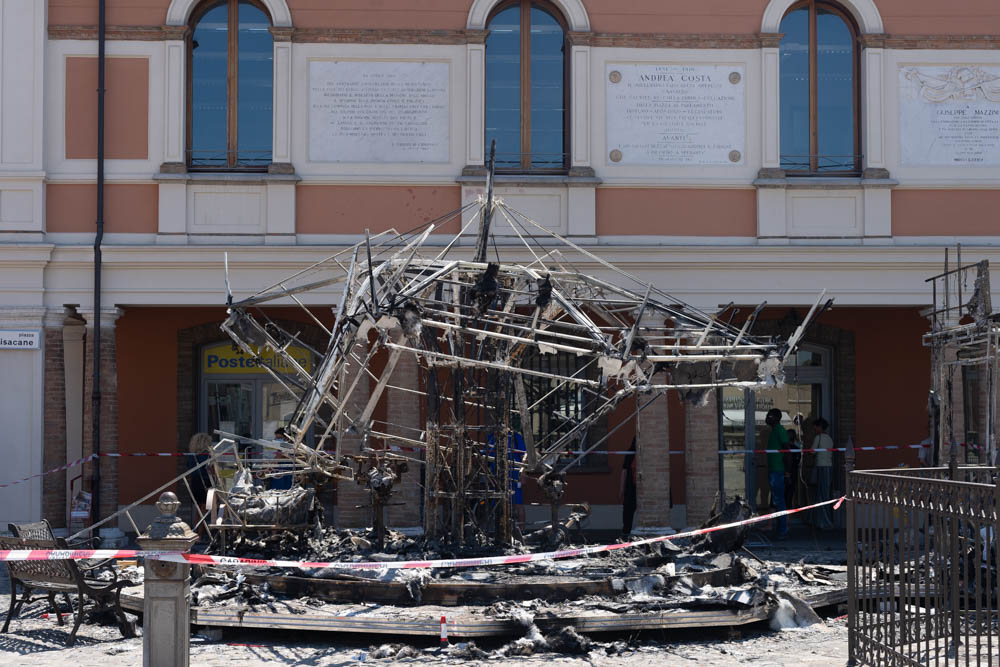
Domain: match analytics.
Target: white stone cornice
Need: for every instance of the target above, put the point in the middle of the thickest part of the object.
(22, 317)
(704, 272)
(55, 317)
(108, 316)
(25, 256)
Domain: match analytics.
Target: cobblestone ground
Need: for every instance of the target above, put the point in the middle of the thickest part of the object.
(34, 640)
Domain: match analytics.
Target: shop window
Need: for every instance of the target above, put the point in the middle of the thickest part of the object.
(819, 91)
(526, 87)
(230, 84)
(241, 397)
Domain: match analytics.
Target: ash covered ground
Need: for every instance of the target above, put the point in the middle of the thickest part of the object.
(37, 641)
(660, 578)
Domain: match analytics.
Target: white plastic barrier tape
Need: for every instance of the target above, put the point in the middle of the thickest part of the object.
(206, 559)
(67, 466)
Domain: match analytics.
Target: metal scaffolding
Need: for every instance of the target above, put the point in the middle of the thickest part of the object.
(965, 349)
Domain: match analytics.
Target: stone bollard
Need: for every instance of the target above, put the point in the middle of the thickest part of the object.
(166, 620)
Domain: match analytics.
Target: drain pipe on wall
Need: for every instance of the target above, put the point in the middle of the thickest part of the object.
(96, 398)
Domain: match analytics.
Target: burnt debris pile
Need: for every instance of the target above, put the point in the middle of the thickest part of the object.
(551, 605)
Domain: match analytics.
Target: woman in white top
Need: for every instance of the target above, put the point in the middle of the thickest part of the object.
(824, 472)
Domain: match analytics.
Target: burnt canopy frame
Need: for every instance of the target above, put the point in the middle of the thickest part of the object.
(814, 7)
(233, 160)
(525, 61)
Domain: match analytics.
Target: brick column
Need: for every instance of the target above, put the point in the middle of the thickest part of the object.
(54, 505)
(652, 514)
(404, 418)
(702, 459)
(353, 501)
(109, 405)
(74, 352)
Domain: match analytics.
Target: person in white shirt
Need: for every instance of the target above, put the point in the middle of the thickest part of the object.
(824, 471)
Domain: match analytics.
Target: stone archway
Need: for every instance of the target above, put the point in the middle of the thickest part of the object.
(180, 10)
(573, 10)
(864, 12)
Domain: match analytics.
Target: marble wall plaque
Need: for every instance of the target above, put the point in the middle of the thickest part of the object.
(949, 115)
(378, 111)
(659, 114)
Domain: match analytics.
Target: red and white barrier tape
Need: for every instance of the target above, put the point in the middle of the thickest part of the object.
(859, 448)
(118, 455)
(813, 451)
(206, 559)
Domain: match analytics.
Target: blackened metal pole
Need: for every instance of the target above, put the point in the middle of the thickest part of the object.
(487, 212)
(852, 558)
(750, 444)
(720, 425)
(96, 397)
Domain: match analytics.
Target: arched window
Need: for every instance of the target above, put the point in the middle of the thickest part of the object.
(526, 86)
(819, 90)
(230, 83)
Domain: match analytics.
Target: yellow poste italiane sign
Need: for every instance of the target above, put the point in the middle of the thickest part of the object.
(222, 359)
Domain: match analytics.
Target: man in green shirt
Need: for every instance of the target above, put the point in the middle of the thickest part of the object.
(776, 466)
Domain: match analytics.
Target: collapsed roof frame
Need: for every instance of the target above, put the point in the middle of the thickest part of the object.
(477, 328)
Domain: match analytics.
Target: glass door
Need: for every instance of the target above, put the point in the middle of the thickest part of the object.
(240, 396)
(230, 407)
(277, 406)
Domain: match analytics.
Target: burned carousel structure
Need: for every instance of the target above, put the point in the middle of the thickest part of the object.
(484, 333)
(493, 337)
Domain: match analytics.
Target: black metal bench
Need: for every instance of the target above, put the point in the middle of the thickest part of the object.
(52, 577)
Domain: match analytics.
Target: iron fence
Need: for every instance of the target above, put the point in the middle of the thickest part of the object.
(922, 571)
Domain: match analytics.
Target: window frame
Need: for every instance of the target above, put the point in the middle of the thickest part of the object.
(232, 85)
(541, 389)
(525, 81)
(852, 26)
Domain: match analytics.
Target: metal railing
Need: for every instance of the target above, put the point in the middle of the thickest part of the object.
(820, 164)
(241, 160)
(533, 162)
(922, 568)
